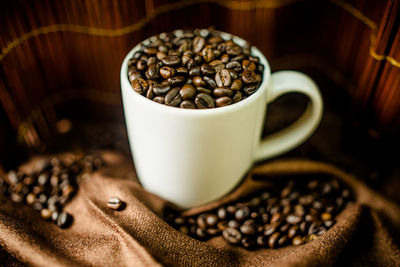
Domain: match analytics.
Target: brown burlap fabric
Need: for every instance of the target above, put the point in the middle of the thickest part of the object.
(366, 233)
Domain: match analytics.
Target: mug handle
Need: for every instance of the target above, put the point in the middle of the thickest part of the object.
(283, 82)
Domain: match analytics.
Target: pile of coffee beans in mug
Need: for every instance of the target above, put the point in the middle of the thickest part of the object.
(291, 213)
(194, 69)
(50, 187)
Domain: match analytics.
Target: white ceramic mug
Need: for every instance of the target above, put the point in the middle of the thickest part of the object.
(194, 156)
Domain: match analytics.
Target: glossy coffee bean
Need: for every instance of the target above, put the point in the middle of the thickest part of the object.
(223, 78)
(173, 98)
(249, 77)
(139, 85)
(161, 89)
(232, 235)
(167, 72)
(204, 101)
(115, 203)
(223, 101)
(171, 60)
(64, 220)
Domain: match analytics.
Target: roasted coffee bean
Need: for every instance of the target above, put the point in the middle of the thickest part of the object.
(277, 217)
(293, 231)
(198, 44)
(250, 89)
(177, 80)
(182, 71)
(236, 85)
(64, 220)
(46, 214)
(217, 65)
(141, 65)
(171, 60)
(152, 72)
(328, 223)
(211, 219)
(191, 63)
(207, 69)
(150, 93)
(187, 104)
(223, 101)
(173, 98)
(222, 213)
(297, 240)
(208, 53)
(242, 213)
(204, 101)
(160, 55)
(201, 233)
(237, 96)
(238, 58)
(161, 89)
(187, 92)
(232, 235)
(223, 78)
(151, 60)
(248, 227)
(199, 82)
(233, 224)
(210, 82)
(234, 65)
(201, 221)
(115, 203)
(326, 216)
(234, 50)
(249, 77)
(150, 50)
(212, 231)
(139, 85)
(248, 65)
(185, 59)
(293, 219)
(225, 58)
(222, 91)
(196, 71)
(167, 72)
(282, 240)
(159, 99)
(273, 240)
(269, 229)
(204, 90)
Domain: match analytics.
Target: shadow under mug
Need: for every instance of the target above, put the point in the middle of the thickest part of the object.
(194, 156)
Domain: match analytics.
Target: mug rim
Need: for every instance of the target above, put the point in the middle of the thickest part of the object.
(125, 84)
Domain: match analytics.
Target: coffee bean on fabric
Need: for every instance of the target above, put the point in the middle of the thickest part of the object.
(50, 186)
(219, 68)
(291, 212)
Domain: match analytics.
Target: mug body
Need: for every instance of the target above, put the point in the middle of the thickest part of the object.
(193, 156)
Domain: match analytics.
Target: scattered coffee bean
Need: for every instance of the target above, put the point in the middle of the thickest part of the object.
(232, 235)
(202, 59)
(49, 187)
(115, 203)
(64, 220)
(283, 215)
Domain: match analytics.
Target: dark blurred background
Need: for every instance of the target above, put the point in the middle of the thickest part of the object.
(60, 63)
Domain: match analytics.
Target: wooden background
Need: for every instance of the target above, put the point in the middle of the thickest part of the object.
(59, 58)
